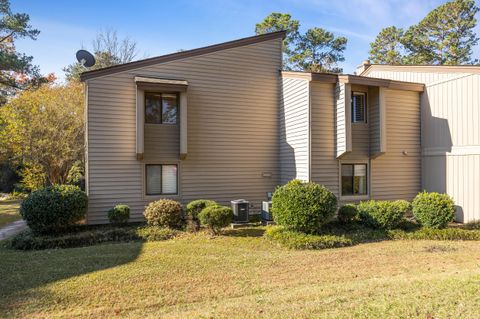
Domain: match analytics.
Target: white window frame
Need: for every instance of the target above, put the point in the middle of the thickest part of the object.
(364, 94)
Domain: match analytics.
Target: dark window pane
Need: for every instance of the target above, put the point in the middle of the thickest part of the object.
(358, 107)
(347, 179)
(169, 108)
(153, 108)
(153, 176)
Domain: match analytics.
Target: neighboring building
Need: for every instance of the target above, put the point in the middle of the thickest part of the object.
(223, 122)
(450, 129)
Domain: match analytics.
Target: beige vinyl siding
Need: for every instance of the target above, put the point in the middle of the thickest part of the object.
(324, 166)
(360, 133)
(374, 120)
(418, 77)
(395, 175)
(343, 119)
(294, 129)
(233, 144)
(450, 132)
(162, 141)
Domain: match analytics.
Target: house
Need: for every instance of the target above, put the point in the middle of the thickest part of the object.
(224, 122)
(450, 129)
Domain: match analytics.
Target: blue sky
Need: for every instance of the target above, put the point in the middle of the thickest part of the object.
(161, 27)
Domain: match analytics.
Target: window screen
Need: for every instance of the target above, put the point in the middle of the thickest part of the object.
(358, 107)
(161, 179)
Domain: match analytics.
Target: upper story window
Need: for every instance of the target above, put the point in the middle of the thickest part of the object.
(359, 107)
(161, 108)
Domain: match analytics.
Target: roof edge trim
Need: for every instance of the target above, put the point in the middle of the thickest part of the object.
(181, 55)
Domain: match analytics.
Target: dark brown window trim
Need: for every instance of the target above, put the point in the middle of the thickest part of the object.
(365, 112)
(353, 179)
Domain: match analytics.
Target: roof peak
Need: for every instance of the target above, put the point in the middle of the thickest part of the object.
(182, 54)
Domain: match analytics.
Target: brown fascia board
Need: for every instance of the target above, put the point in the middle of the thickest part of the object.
(181, 55)
(422, 68)
(309, 76)
(390, 84)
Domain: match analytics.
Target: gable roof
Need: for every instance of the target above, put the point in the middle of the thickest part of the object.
(421, 68)
(181, 55)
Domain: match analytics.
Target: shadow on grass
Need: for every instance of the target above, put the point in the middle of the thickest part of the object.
(23, 271)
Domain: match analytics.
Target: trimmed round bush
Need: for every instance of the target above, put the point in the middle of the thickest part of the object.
(193, 209)
(119, 214)
(383, 214)
(347, 213)
(54, 209)
(303, 206)
(433, 210)
(164, 213)
(216, 217)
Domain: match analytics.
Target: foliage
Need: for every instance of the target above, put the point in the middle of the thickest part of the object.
(43, 130)
(445, 37)
(119, 214)
(54, 209)
(318, 50)
(303, 206)
(383, 214)
(433, 210)
(297, 240)
(436, 234)
(76, 174)
(16, 69)
(387, 47)
(216, 217)
(108, 50)
(193, 209)
(276, 21)
(33, 177)
(27, 240)
(8, 176)
(164, 213)
(347, 213)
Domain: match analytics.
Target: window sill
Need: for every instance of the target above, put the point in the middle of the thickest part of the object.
(157, 197)
(354, 198)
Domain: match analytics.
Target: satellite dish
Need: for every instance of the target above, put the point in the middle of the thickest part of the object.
(85, 58)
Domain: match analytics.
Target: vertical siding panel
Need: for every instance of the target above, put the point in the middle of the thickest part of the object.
(294, 129)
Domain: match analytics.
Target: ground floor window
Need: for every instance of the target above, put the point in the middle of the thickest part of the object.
(161, 179)
(354, 179)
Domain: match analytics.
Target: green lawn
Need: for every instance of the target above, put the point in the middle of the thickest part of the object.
(9, 211)
(243, 276)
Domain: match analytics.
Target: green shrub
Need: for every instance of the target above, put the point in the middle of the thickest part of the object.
(433, 210)
(383, 214)
(193, 209)
(216, 217)
(54, 209)
(297, 240)
(119, 214)
(303, 206)
(347, 213)
(436, 234)
(26, 240)
(164, 213)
